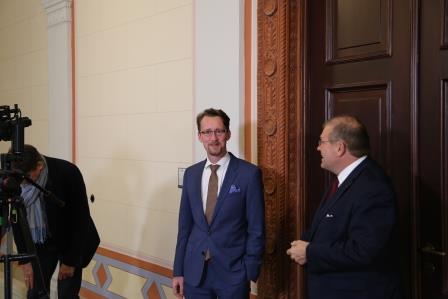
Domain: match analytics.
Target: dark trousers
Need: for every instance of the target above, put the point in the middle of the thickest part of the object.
(212, 287)
(68, 288)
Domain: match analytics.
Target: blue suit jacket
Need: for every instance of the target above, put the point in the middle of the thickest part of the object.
(235, 237)
(353, 251)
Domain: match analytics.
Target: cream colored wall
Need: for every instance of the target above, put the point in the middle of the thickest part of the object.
(23, 66)
(134, 62)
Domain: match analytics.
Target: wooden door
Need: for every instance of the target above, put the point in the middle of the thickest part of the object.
(433, 150)
(360, 63)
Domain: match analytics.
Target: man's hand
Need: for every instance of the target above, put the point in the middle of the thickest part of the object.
(28, 275)
(297, 252)
(178, 286)
(65, 271)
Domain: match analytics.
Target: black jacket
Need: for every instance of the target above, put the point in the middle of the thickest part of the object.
(71, 228)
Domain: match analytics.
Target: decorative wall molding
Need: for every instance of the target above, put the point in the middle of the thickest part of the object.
(157, 279)
(280, 67)
(100, 283)
(58, 11)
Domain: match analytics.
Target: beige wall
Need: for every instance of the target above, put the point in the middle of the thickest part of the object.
(135, 118)
(23, 65)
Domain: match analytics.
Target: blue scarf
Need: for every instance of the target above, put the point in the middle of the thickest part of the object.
(35, 207)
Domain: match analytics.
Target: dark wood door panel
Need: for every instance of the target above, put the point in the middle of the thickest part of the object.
(357, 30)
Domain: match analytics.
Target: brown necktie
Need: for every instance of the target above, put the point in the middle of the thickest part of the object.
(212, 193)
(333, 188)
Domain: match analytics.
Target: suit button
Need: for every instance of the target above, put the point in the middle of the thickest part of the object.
(209, 232)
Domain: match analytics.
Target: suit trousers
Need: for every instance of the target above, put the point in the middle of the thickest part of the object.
(212, 287)
(68, 288)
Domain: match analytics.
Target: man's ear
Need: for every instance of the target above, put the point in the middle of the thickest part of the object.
(40, 165)
(228, 134)
(342, 148)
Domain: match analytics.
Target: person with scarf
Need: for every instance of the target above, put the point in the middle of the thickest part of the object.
(61, 235)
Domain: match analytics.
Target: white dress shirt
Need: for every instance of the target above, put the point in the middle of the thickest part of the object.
(347, 170)
(221, 172)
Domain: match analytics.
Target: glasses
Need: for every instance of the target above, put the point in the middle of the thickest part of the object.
(319, 142)
(217, 132)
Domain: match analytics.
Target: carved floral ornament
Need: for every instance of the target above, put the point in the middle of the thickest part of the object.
(269, 182)
(270, 127)
(270, 7)
(269, 67)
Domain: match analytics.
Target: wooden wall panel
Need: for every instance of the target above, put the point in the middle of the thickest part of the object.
(370, 39)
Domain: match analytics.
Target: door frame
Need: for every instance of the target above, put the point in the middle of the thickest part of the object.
(282, 126)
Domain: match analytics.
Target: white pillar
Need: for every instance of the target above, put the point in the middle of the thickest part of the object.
(59, 78)
(219, 66)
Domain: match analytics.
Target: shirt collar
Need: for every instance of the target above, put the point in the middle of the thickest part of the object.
(223, 161)
(347, 170)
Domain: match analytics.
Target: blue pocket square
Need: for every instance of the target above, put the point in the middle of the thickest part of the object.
(234, 189)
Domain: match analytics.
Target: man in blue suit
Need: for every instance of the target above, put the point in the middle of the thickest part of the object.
(350, 251)
(221, 238)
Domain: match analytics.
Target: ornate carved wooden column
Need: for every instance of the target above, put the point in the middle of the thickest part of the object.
(280, 141)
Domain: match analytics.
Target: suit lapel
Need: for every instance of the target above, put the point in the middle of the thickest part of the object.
(330, 202)
(228, 179)
(196, 201)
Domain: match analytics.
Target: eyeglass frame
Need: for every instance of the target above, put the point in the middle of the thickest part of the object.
(320, 141)
(217, 132)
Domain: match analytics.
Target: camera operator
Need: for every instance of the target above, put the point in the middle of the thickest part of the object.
(64, 235)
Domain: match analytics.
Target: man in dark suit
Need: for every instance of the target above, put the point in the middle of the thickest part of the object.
(221, 219)
(350, 251)
(61, 235)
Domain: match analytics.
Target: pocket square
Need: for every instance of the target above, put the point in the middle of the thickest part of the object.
(329, 216)
(234, 189)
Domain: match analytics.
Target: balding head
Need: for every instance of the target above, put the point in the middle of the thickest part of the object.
(352, 132)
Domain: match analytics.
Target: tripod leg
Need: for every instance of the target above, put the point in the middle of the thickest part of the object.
(6, 258)
(22, 236)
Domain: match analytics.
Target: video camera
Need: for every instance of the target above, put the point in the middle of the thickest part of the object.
(12, 127)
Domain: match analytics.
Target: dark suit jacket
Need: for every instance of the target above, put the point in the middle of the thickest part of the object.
(71, 227)
(353, 251)
(235, 237)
